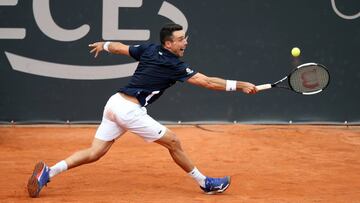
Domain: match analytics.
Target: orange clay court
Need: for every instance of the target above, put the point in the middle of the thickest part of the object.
(281, 163)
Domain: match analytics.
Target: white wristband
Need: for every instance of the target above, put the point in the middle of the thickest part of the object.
(106, 46)
(230, 85)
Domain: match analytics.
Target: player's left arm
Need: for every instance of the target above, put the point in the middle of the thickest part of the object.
(215, 83)
(111, 47)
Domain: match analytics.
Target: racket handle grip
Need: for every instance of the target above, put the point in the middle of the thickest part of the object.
(263, 87)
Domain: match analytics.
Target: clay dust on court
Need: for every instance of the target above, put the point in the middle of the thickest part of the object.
(282, 163)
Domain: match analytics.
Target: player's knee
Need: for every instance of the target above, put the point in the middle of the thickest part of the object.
(170, 141)
(175, 143)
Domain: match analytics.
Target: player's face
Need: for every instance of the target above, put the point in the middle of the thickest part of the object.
(178, 43)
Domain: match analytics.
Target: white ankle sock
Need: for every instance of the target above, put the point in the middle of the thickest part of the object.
(58, 168)
(198, 176)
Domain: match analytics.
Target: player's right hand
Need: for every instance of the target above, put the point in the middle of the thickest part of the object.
(97, 47)
(248, 88)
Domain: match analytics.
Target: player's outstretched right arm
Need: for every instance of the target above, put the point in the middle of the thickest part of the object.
(111, 47)
(215, 83)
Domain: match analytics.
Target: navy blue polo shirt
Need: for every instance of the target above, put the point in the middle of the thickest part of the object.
(158, 69)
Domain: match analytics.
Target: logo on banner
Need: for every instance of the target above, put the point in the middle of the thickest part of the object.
(110, 31)
(340, 14)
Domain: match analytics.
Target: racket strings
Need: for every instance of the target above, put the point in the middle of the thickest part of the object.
(309, 79)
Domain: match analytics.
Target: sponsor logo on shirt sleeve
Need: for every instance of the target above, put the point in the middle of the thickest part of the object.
(189, 71)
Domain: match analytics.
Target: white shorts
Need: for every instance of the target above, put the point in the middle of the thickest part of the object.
(121, 115)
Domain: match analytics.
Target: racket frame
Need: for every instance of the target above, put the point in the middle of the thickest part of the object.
(275, 84)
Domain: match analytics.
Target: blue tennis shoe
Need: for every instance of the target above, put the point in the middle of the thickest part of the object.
(38, 179)
(216, 185)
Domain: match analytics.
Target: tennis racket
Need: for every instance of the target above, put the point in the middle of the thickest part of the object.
(307, 79)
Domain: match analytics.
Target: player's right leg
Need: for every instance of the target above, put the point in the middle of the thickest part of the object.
(208, 184)
(170, 141)
(135, 119)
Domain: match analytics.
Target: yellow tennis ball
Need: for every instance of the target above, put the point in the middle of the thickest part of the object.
(295, 52)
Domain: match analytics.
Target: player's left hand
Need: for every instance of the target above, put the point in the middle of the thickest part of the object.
(97, 47)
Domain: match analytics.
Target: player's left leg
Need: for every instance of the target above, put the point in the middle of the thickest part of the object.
(42, 173)
(106, 133)
(91, 154)
(38, 179)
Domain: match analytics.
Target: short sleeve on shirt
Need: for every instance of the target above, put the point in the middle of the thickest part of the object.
(137, 50)
(183, 72)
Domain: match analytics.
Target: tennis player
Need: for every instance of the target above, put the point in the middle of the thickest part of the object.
(159, 68)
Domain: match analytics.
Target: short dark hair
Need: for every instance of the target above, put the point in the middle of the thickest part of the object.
(167, 31)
